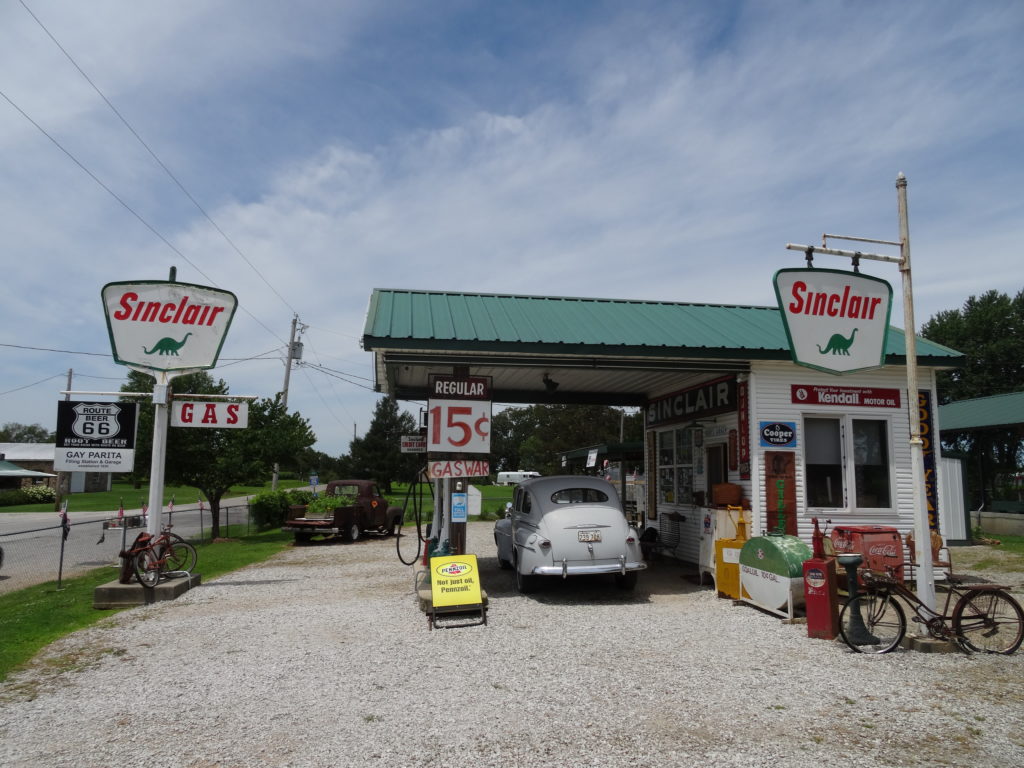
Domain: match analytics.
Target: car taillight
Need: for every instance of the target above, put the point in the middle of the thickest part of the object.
(544, 544)
(631, 539)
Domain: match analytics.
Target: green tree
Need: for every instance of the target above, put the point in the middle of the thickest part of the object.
(213, 460)
(989, 331)
(12, 432)
(377, 455)
(532, 437)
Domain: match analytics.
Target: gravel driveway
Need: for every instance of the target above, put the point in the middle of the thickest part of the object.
(320, 657)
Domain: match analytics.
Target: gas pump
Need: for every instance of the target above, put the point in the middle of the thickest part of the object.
(820, 589)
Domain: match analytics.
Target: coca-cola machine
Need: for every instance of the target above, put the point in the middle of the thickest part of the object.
(879, 545)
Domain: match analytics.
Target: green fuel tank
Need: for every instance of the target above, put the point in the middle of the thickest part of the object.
(771, 570)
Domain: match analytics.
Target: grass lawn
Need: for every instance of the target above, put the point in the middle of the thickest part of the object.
(134, 498)
(36, 616)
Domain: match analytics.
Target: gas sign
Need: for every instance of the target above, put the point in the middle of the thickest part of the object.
(836, 321)
(165, 326)
(221, 415)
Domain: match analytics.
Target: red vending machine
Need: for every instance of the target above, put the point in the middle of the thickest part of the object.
(879, 545)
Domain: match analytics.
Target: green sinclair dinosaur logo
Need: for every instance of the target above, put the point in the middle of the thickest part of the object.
(167, 346)
(837, 345)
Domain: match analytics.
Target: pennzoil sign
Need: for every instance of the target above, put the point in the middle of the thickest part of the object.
(165, 326)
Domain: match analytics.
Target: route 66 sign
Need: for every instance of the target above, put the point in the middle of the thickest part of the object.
(96, 421)
(95, 437)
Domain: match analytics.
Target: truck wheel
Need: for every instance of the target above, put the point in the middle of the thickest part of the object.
(352, 533)
(301, 539)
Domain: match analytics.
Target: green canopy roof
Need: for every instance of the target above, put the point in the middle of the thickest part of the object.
(997, 411)
(481, 322)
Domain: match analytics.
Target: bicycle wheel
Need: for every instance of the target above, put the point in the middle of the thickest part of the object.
(873, 622)
(147, 568)
(180, 556)
(988, 621)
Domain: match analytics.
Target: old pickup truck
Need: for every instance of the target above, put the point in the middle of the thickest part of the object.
(360, 509)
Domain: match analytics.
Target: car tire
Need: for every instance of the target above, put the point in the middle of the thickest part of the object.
(626, 581)
(302, 539)
(352, 532)
(525, 583)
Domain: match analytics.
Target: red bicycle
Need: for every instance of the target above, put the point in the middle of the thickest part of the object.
(163, 556)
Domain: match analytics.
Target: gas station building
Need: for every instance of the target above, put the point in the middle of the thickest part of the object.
(729, 417)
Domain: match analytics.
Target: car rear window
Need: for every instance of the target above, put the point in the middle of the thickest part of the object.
(579, 496)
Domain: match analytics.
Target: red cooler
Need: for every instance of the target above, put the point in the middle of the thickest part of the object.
(879, 545)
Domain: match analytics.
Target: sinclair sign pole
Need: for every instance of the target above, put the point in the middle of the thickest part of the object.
(165, 329)
(922, 530)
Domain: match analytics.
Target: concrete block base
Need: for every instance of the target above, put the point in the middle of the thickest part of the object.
(929, 644)
(114, 594)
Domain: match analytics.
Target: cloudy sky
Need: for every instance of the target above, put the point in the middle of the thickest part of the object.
(302, 153)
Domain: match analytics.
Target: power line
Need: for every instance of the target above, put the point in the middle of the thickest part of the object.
(156, 158)
(63, 351)
(33, 384)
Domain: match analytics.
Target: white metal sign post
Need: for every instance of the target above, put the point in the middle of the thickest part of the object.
(165, 329)
(922, 531)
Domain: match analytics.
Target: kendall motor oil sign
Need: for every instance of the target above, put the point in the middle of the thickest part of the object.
(836, 321)
(165, 326)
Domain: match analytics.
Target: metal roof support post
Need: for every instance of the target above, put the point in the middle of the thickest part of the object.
(922, 530)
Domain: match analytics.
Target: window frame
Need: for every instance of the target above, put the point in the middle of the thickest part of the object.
(848, 463)
(672, 435)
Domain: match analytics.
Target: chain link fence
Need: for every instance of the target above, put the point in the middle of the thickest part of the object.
(43, 554)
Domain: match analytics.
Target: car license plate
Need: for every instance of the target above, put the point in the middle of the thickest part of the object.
(589, 535)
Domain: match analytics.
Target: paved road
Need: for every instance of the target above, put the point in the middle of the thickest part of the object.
(31, 541)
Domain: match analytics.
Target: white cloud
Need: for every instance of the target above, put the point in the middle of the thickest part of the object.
(660, 151)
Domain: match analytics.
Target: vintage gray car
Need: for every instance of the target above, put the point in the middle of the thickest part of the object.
(567, 525)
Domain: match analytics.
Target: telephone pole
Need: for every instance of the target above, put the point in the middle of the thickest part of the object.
(294, 353)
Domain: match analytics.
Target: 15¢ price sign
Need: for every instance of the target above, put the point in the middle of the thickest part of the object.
(459, 425)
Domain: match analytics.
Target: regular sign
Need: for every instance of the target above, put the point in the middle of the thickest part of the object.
(836, 321)
(164, 326)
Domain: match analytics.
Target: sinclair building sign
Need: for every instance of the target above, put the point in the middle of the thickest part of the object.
(167, 326)
(836, 321)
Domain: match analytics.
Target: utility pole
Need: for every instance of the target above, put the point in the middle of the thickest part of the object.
(922, 529)
(284, 391)
(64, 478)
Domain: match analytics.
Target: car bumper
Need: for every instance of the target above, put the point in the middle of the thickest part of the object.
(565, 569)
(308, 529)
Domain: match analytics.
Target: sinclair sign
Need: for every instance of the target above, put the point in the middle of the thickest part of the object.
(167, 326)
(836, 321)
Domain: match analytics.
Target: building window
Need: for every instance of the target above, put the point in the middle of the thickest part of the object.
(675, 466)
(871, 463)
(824, 463)
(847, 458)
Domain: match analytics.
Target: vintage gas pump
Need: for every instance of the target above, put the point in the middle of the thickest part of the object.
(820, 590)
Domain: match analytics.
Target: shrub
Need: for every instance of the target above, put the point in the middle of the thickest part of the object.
(300, 496)
(13, 498)
(270, 509)
(40, 494)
